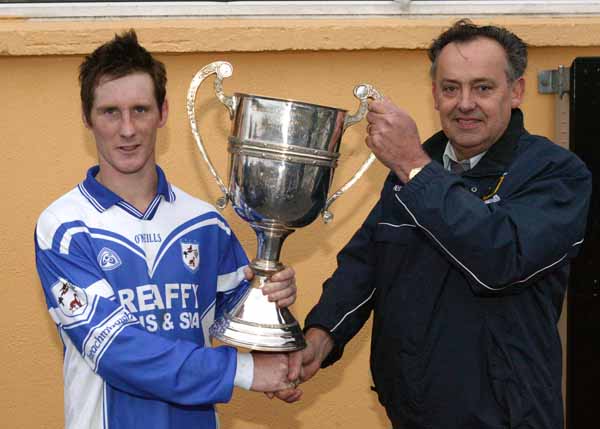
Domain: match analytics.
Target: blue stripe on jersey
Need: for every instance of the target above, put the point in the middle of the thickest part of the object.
(64, 236)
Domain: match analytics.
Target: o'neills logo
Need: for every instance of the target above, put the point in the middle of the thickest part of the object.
(147, 238)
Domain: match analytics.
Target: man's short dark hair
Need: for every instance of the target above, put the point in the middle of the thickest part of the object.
(465, 31)
(117, 58)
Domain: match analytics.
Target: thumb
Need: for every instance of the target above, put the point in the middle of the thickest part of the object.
(248, 273)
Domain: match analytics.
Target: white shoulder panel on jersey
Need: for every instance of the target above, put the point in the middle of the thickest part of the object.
(58, 213)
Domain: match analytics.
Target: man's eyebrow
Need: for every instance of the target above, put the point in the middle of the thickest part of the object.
(483, 80)
(476, 80)
(105, 106)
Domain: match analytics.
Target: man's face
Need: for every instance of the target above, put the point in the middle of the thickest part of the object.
(473, 95)
(124, 120)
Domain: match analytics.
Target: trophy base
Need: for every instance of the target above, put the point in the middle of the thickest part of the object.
(257, 324)
(261, 338)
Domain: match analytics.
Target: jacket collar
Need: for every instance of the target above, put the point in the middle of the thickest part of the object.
(498, 156)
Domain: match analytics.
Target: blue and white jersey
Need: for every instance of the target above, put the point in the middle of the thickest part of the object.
(133, 295)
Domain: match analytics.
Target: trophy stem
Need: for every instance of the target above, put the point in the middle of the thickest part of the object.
(255, 322)
(270, 239)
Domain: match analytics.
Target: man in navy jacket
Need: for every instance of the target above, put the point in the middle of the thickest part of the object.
(464, 260)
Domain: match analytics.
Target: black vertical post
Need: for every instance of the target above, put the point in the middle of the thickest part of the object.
(583, 319)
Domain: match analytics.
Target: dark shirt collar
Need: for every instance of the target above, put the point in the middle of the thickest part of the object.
(103, 198)
(498, 156)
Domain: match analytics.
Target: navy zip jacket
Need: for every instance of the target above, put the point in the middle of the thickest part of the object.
(466, 277)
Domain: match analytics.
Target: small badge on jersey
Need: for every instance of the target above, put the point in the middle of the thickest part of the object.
(190, 254)
(108, 259)
(71, 299)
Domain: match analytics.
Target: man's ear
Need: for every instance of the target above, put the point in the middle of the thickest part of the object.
(436, 105)
(517, 92)
(164, 113)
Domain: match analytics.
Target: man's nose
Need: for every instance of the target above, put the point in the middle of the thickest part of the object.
(127, 125)
(466, 101)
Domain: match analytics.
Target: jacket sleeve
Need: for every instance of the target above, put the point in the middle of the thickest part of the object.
(347, 298)
(111, 340)
(533, 227)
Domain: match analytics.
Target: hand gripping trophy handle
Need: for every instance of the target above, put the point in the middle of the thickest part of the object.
(282, 157)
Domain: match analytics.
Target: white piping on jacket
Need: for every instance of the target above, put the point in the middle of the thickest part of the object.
(352, 311)
(465, 268)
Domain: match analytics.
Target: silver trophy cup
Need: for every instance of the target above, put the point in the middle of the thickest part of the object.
(282, 157)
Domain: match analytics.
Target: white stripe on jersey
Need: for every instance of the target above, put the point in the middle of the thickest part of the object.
(227, 282)
(121, 242)
(65, 242)
(84, 391)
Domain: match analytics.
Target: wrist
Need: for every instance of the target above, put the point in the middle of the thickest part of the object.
(322, 342)
(413, 169)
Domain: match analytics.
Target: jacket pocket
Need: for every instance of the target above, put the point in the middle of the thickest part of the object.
(393, 244)
(395, 233)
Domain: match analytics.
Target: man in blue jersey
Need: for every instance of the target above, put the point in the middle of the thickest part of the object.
(134, 270)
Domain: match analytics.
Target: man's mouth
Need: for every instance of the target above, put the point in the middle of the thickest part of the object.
(467, 122)
(129, 148)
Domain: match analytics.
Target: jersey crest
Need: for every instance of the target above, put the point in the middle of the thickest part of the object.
(71, 299)
(108, 259)
(190, 254)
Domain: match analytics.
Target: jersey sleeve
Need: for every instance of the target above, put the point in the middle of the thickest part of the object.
(109, 338)
(231, 281)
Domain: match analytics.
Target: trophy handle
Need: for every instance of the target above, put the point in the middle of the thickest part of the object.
(363, 92)
(222, 69)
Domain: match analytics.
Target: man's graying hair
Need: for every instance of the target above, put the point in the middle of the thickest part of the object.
(465, 31)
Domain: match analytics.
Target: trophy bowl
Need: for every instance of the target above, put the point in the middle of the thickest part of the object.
(282, 156)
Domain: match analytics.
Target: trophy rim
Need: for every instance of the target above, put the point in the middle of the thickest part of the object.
(288, 100)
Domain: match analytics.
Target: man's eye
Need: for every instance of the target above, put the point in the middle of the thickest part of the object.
(449, 89)
(484, 88)
(110, 111)
(141, 109)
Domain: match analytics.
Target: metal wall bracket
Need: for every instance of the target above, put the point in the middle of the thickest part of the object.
(554, 81)
(558, 82)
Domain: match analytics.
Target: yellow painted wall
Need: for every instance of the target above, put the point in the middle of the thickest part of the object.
(46, 151)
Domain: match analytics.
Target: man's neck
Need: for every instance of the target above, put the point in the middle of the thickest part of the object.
(450, 153)
(138, 189)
